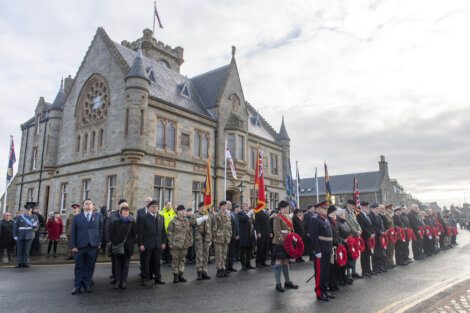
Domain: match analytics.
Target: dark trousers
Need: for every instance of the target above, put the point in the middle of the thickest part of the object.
(406, 250)
(121, 268)
(332, 276)
(231, 253)
(166, 255)
(428, 245)
(325, 272)
(151, 263)
(245, 255)
(262, 249)
(417, 248)
(85, 260)
(10, 250)
(50, 246)
(34, 247)
(365, 261)
(23, 247)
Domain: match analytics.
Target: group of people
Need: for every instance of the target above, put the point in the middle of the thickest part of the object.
(333, 238)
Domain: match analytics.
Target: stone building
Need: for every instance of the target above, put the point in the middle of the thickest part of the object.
(129, 125)
(374, 187)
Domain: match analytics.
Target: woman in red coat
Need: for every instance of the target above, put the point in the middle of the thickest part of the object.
(54, 230)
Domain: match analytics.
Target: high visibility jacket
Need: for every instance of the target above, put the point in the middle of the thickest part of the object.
(168, 214)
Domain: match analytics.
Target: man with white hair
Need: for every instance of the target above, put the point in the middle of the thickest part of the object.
(415, 223)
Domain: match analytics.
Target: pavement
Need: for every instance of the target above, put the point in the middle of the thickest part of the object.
(48, 287)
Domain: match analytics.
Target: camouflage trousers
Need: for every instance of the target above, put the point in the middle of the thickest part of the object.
(178, 259)
(390, 253)
(202, 255)
(220, 255)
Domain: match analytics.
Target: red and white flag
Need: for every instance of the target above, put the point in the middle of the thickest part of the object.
(356, 194)
(228, 158)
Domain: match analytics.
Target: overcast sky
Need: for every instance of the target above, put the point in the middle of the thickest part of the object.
(354, 79)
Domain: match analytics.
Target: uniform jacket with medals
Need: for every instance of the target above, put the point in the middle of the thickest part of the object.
(25, 227)
(320, 226)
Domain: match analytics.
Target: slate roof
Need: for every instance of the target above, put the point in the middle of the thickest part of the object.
(138, 69)
(342, 184)
(283, 132)
(209, 85)
(59, 100)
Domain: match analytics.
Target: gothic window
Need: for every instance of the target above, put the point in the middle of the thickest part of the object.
(85, 142)
(92, 140)
(93, 102)
(77, 149)
(160, 134)
(205, 146)
(170, 139)
(241, 148)
(197, 144)
(101, 138)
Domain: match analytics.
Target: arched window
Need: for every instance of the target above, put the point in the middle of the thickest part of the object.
(93, 102)
(92, 140)
(205, 146)
(85, 142)
(160, 134)
(77, 148)
(197, 144)
(101, 138)
(170, 142)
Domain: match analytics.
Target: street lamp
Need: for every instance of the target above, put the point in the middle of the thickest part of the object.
(241, 188)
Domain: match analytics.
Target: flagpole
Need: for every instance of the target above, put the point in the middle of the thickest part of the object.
(225, 169)
(153, 15)
(316, 185)
(298, 183)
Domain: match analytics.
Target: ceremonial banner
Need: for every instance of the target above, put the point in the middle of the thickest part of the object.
(327, 186)
(11, 161)
(228, 158)
(259, 182)
(208, 186)
(356, 195)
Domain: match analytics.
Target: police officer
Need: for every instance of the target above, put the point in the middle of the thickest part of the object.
(202, 240)
(222, 233)
(321, 238)
(24, 232)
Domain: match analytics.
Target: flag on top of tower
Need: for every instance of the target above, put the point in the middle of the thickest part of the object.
(156, 14)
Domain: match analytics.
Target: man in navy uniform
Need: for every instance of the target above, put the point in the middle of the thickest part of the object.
(87, 228)
(24, 232)
(367, 231)
(321, 238)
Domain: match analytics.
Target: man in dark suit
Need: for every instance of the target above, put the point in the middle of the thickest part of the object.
(262, 237)
(113, 217)
(141, 212)
(378, 264)
(232, 247)
(86, 231)
(367, 231)
(152, 240)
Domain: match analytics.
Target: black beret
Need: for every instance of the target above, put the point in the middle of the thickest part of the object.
(180, 208)
(283, 204)
(351, 202)
(201, 204)
(153, 202)
(364, 203)
(331, 209)
(121, 201)
(236, 206)
(374, 206)
(221, 203)
(29, 205)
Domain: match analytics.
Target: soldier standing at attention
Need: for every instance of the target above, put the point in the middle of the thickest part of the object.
(222, 232)
(68, 226)
(389, 223)
(282, 226)
(321, 238)
(202, 240)
(180, 238)
(24, 232)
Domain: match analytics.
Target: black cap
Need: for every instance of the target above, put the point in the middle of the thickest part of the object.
(75, 205)
(374, 206)
(364, 203)
(221, 203)
(30, 205)
(180, 208)
(122, 201)
(235, 206)
(351, 202)
(201, 204)
(153, 202)
(331, 209)
(321, 204)
(282, 204)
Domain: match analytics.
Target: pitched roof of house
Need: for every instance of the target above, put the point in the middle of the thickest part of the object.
(342, 184)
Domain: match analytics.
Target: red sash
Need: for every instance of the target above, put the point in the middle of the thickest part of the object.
(285, 220)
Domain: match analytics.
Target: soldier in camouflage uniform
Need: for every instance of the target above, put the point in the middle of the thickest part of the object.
(221, 234)
(180, 238)
(202, 240)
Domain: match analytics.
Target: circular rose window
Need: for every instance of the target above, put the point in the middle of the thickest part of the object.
(94, 101)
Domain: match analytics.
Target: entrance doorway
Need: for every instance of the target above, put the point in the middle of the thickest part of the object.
(232, 196)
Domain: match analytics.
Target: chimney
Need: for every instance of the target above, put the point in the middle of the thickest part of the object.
(383, 165)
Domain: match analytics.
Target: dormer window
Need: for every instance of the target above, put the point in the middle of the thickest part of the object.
(151, 75)
(184, 90)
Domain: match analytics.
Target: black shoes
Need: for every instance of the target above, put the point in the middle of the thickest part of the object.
(290, 285)
(176, 278)
(76, 291)
(181, 279)
(47, 256)
(220, 273)
(231, 269)
(259, 265)
(280, 288)
(88, 289)
(330, 295)
(116, 286)
(250, 267)
(323, 297)
(144, 283)
(199, 276)
(205, 276)
(356, 276)
(366, 274)
(159, 282)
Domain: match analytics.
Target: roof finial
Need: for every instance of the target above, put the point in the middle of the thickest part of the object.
(62, 84)
(233, 51)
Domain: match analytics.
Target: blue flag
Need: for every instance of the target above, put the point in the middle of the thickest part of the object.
(11, 161)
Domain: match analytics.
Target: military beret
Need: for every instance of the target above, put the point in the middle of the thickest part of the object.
(374, 206)
(221, 203)
(201, 204)
(153, 202)
(283, 204)
(331, 209)
(364, 203)
(180, 208)
(351, 202)
(29, 205)
(236, 206)
(321, 204)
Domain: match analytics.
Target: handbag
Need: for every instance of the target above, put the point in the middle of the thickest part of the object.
(118, 249)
